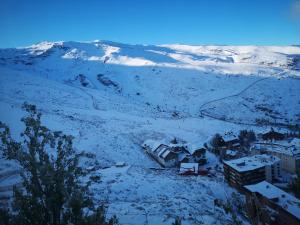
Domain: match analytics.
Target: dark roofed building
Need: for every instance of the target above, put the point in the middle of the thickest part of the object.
(271, 204)
(199, 156)
(273, 135)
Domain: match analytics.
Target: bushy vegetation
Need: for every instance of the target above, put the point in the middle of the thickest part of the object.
(53, 190)
(217, 141)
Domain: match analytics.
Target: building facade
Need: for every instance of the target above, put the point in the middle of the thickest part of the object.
(251, 170)
(289, 155)
(270, 205)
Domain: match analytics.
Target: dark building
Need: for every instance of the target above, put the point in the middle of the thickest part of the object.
(251, 170)
(273, 135)
(271, 205)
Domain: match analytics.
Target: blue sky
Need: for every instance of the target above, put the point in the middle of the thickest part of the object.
(238, 22)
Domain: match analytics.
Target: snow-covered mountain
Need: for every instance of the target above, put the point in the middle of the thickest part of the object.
(113, 96)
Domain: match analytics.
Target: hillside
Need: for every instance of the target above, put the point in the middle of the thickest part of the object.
(113, 96)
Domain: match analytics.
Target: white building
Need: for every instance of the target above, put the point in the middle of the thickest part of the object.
(289, 153)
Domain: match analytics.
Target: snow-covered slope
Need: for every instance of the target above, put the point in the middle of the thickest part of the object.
(113, 96)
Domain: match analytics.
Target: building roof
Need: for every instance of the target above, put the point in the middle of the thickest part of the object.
(252, 162)
(273, 135)
(291, 150)
(229, 137)
(191, 148)
(152, 144)
(182, 156)
(295, 142)
(276, 195)
(184, 167)
(231, 152)
(199, 152)
(162, 151)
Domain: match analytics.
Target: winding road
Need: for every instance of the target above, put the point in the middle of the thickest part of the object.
(204, 114)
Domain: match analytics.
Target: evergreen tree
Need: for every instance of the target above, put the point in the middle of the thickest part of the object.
(53, 190)
(216, 142)
(246, 137)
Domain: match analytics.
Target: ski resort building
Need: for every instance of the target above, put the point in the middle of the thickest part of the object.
(272, 135)
(289, 155)
(171, 155)
(231, 142)
(161, 153)
(251, 170)
(274, 205)
(198, 155)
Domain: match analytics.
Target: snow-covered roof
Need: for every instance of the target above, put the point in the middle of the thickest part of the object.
(189, 167)
(295, 142)
(193, 147)
(152, 144)
(182, 155)
(291, 150)
(231, 152)
(279, 197)
(161, 149)
(165, 153)
(252, 162)
(229, 137)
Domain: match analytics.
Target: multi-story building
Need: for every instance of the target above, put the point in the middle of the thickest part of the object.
(270, 205)
(289, 153)
(251, 170)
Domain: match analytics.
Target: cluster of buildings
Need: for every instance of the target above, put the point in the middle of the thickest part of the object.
(256, 173)
(229, 147)
(172, 155)
(253, 170)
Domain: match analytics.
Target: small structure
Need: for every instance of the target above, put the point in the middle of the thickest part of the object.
(272, 204)
(251, 169)
(120, 164)
(189, 169)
